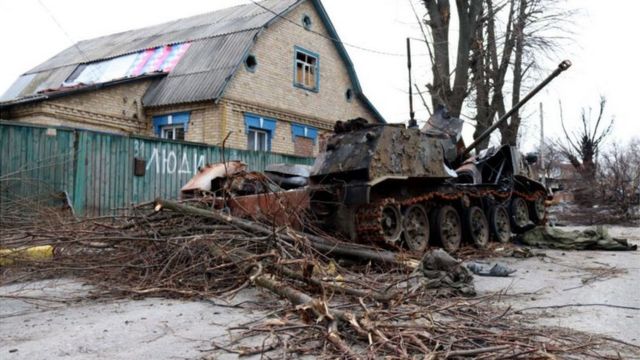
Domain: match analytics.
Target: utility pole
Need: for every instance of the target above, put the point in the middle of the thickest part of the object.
(542, 169)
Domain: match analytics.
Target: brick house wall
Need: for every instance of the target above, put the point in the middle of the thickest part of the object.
(270, 86)
(303, 146)
(267, 91)
(115, 109)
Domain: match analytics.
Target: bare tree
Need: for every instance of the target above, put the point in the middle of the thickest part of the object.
(581, 147)
(438, 20)
(620, 175)
(511, 51)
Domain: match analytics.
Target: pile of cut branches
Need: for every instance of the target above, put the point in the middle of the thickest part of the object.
(344, 300)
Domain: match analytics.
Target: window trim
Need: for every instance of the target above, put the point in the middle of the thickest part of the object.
(304, 24)
(249, 68)
(173, 127)
(296, 50)
(305, 131)
(177, 118)
(257, 122)
(256, 131)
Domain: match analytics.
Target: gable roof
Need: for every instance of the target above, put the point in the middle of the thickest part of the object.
(229, 33)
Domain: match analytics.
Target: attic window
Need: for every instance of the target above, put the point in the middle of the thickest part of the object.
(251, 63)
(306, 22)
(307, 75)
(348, 94)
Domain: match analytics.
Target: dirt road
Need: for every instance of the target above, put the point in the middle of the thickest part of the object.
(569, 280)
(67, 325)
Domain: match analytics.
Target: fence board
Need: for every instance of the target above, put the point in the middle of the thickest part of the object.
(96, 169)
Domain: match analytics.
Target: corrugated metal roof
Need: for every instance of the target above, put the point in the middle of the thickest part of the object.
(17, 87)
(220, 39)
(217, 23)
(203, 74)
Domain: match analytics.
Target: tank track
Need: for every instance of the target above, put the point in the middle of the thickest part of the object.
(369, 217)
(369, 222)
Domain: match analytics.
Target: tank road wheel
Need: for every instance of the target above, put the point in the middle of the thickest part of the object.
(519, 215)
(499, 223)
(416, 228)
(449, 228)
(391, 222)
(477, 226)
(380, 222)
(537, 210)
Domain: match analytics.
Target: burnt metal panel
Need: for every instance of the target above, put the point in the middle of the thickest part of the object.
(377, 153)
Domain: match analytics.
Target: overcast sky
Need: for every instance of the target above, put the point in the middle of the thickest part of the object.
(604, 51)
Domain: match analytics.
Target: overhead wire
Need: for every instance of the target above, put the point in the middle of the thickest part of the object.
(362, 48)
(75, 44)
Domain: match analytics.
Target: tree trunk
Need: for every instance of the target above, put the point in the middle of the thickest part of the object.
(509, 132)
(439, 12)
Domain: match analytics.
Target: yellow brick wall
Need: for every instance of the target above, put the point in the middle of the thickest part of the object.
(271, 84)
(269, 92)
(282, 141)
(113, 109)
(204, 120)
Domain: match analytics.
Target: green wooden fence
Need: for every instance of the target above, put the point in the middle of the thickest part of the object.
(95, 170)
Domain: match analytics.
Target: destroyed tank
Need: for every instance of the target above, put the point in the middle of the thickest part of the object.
(410, 187)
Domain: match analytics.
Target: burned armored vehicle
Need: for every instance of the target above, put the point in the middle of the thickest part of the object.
(413, 187)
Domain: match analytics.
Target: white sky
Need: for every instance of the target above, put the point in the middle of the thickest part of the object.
(604, 51)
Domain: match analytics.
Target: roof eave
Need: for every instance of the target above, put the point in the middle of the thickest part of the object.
(74, 91)
(345, 57)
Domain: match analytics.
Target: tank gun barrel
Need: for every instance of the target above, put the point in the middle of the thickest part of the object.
(561, 67)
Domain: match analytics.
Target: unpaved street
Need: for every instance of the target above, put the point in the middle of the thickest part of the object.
(562, 278)
(53, 319)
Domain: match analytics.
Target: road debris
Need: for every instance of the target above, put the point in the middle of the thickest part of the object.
(591, 239)
(345, 300)
(497, 269)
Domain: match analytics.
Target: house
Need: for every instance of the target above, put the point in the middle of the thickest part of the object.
(268, 76)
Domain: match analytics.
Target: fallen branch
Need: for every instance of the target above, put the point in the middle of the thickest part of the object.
(577, 305)
(320, 244)
(476, 351)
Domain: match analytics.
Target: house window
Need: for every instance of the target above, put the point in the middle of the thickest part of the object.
(306, 22)
(260, 131)
(307, 69)
(172, 132)
(251, 63)
(171, 126)
(257, 140)
(348, 95)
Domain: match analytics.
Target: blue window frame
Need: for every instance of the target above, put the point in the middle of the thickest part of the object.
(306, 69)
(259, 132)
(301, 130)
(171, 126)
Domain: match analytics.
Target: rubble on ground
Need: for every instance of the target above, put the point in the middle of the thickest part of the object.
(343, 299)
(590, 239)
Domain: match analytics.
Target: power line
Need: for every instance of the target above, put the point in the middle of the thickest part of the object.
(75, 44)
(379, 52)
